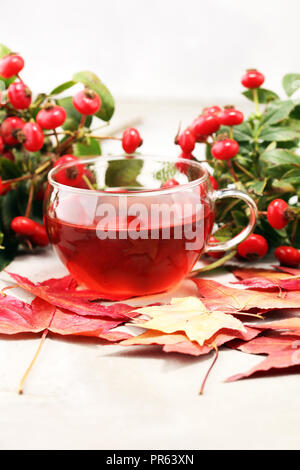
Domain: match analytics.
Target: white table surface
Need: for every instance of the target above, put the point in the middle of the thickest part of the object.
(84, 394)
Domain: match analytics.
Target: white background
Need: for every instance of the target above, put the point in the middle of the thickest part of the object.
(151, 49)
(162, 60)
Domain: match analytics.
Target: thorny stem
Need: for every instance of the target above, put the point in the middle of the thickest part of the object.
(255, 97)
(21, 384)
(216, 264)
(57, 140)
(85, 178)
(232, 170)
(209, 369)
(30, 199)
(107, 137)
(240, 167)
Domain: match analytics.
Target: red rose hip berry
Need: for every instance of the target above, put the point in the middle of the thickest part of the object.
(254, 247)
(23, 226)
(10, 129)
(205, 125)
(187, 141)
(214, 183)
(225, 149)
(170, 183)
(252, 79)
(11, 65)
(39, 237)
(87, 102)
(51, 116)
(32, 137)
(71, 175)
(287, 255)
(1, 144)
(19, 95)
(231, 116)
(131, 140)
(279, 214)
(212, 110)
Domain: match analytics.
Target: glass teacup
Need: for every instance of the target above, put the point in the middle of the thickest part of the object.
(122, 233)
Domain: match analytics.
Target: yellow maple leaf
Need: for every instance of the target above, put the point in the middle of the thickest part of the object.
(190, 315)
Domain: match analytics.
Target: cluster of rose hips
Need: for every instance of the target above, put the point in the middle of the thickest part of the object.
(22, 127)
(223, 147)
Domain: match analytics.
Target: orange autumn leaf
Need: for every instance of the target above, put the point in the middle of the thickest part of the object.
(216, 296)
(270, 344)
(188, 315)
(79, 302)
(282, 359)
(290, 323)
(179, 342)
(17, 316)
(253, 278)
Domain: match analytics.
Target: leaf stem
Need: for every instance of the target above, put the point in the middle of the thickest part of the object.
(30, 199)
(216, 264)
(255, 98)
(232, 170)
(21, 384)
(209, 370)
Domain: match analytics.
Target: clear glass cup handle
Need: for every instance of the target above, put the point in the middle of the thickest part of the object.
(221, 194)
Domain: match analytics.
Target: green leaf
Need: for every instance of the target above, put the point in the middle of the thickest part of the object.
(292, 177)
(4, 50)
(123, 173)
(264, 95)
(279, 157)
(63, 87)
(258, 186)
(279, 134)
(291, 83)
(277, 111)
(91, 148)
(92, 81)
(240, 218)
(241, 133)
(9, 169)
(73, 116)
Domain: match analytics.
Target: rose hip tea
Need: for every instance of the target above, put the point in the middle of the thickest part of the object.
(140, 230)
(110, 263)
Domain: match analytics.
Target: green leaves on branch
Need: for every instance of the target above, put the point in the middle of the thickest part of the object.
(279, 134)
(73, 116)
(89, 148)
(277, 111)
(92, 81)
(264, 96)
(291, 83)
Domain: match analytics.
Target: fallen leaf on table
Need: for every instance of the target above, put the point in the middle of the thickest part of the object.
(40, 316)
(179, 342)
(189, 315)
(17, 316)
(280, 360)
(217, 296)
(284, 269)
(270, 344)
(253, 278)
(291, 323)
(80, 302)
(221, 338)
